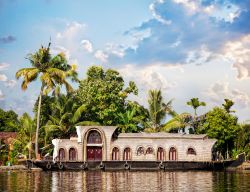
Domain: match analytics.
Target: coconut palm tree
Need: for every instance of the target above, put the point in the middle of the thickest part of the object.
(195, 103)
(157, 108)
(65, 116)
(178, 122)
(52, 71)
(227, 105)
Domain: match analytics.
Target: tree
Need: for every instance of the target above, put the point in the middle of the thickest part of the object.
(132, 120)
(178, 122)
(64, 117)
(8, 121)
(222, 126)
(227, 105)
(26, 134)
(195, 103)
(157, 109)
(243, 139)
(104, 95)
(51, 70)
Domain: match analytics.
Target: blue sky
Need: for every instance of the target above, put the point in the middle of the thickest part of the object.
(188, 48)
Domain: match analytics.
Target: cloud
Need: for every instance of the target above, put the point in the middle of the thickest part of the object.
(87, 45)
(182, 29)
(4, 66)
(71, 30)
(3, 77)
(149, 77)
(10, 83)
(60, 49)
(221, 90)
(238, 52)
(100, 55)
(1, 95)
(7, 39)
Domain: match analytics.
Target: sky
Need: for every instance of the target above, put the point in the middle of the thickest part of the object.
(186, 48)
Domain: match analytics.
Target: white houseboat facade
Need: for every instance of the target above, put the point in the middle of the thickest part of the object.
(103, 143)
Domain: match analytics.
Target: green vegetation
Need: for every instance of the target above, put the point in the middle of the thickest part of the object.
(102, 99)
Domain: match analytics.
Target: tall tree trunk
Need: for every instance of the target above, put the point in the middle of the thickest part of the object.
(30, 148)
(38, 123)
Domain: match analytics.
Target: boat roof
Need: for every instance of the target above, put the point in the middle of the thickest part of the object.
(162, 135)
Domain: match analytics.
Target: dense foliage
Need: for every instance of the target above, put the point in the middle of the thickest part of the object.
(8, 121)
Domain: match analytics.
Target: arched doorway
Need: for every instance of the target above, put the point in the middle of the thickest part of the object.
(72, 154)
(94, 146)
(127, 154)
(160, 154)
(115, 154)
(172, 154)
(61, 154)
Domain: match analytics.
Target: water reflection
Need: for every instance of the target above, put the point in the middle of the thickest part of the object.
(123, 181)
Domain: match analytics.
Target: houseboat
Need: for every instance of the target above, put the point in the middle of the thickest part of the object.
(102, 147)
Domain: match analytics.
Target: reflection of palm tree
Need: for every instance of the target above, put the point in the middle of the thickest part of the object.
(179, 121)
(52, 71)
(157, 108)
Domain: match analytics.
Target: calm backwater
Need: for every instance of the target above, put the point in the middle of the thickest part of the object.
(124, 181)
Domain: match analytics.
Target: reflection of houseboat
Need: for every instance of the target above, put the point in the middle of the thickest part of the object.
(101, 147)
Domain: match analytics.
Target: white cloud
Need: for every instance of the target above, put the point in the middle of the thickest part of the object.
(103, 57)
(3, 77)
(157, 16)
(238, 52)
(71, 30)
(221, 90)
(10, 83)
(1, 95)
(87, 45)
(60, 49)
(115, 49)
(4, 66)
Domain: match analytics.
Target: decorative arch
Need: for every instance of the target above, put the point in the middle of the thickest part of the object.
(140, 150)
(62, 154)
(72, 154)
(160, 154)
(94, 145)
(115, 154)
(191, 151)
(127, 154)
(172, 154)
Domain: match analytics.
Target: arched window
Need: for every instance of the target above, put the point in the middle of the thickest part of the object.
(160, 154)
(172, 154)
(94, 137)
(72, 154)
(140, 151)
(127, 154)
(191, 151)
(149, 150)
(115, 154)
(61, 154)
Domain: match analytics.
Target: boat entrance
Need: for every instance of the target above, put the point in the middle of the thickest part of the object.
(94, 146)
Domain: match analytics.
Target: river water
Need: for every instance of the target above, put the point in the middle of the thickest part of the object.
(123, 181)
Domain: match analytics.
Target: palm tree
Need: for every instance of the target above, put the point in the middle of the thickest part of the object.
(26, 133)
(65, 116)
(195, 103)
(52, 71)
(179, 121)
(227, 105)
(157, 108)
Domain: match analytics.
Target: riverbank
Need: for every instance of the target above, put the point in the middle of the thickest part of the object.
(13, 167)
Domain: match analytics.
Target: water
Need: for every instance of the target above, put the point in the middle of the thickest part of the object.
(124, 181)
